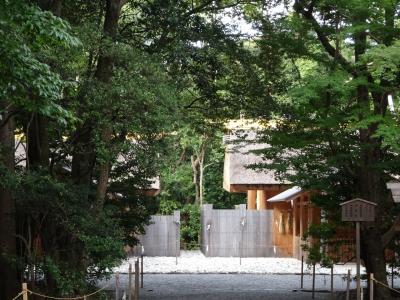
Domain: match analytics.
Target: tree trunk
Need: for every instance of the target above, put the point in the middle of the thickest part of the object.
(104, 73)
(201, 181)
(38, 141)
(373, 255)
(201, 173)
(195, 163)
(8, 273)
(104, 171)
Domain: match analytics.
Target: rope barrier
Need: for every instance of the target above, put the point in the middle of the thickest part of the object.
(61, 298)
(19, 295)
(385, 285)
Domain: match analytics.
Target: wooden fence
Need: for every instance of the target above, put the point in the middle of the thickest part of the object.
(161, 238)
(237, 232)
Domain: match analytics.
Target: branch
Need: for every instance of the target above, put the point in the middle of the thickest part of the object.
(389, 235)
(308, 15)
(193, 102)
(8, 117)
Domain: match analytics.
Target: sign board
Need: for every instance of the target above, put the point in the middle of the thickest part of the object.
(358, 210)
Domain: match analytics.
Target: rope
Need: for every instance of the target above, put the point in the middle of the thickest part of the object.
(385, 285)
(68, 298)
(19, 295)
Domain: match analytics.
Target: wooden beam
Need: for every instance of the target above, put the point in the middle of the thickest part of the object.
(294, 224)
(261, 200)
(251, 199)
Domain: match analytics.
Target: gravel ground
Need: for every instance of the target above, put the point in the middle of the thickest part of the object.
(199, 277)
(195, 262)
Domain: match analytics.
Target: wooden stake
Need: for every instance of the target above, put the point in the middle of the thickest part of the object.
(137, 273)
(117, 286)
(332, 281)
(240, 253)
(371, 286)
(348, 286)
(392, 277)
(302, 272)
(25, 290)
(141, 271)
(313, 281)
(130, 282)
(358, 250)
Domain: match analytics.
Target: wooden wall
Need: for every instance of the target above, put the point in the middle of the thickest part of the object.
(162, 236)
(237, 232)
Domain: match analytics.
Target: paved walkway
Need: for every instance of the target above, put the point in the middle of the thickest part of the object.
(232, 286)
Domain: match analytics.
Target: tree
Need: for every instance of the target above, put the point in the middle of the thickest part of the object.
(333, 126)
(95, 91)
(24, 30)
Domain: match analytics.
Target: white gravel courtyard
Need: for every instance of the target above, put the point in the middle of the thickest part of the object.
(194, 262)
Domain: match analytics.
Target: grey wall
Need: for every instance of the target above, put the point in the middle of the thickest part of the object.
(162, 236)
(237, 232)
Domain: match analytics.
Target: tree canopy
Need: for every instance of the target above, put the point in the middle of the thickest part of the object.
(99, 98)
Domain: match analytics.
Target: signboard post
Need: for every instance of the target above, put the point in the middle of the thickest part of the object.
(358, 210)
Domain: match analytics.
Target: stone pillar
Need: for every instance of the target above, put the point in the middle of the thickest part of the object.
(261, 200)
(251, 199)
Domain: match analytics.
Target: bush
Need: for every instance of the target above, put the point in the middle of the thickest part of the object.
(167, 207)
(190, 226)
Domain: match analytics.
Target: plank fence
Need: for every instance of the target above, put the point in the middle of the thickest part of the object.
(161, 238)
(237, 232)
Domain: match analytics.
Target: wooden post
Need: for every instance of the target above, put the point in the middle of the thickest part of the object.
(348, 286)
(130, 282)
(392, 277)
(313, 281)
(251, 199)
(294, 228)
(302, 272)
(240, 253)
(358, 250)
(25, 291)
(137, 271)
(141, 271)
(178, 245)
(301, 215)
(371, 286)
(117, 286)
(332, 281)
(261, 200)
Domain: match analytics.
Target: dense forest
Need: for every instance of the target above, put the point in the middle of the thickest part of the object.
(99, 98)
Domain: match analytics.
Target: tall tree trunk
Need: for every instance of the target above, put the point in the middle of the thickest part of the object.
(38, 141)
(195, 163)
(104, 73)
(8, 273)
(82, 155)
(37, 129)
(198, 171)
(370, 180)
(201, 181)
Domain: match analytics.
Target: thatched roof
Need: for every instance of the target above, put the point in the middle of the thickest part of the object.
(238, 160)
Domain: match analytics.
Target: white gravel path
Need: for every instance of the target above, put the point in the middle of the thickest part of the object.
(194, 262)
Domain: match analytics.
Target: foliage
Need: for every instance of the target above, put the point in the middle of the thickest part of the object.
(104, 111)
(24, 34)
(167, 207)
(332, 129)
(190, 226)
(53, 212)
